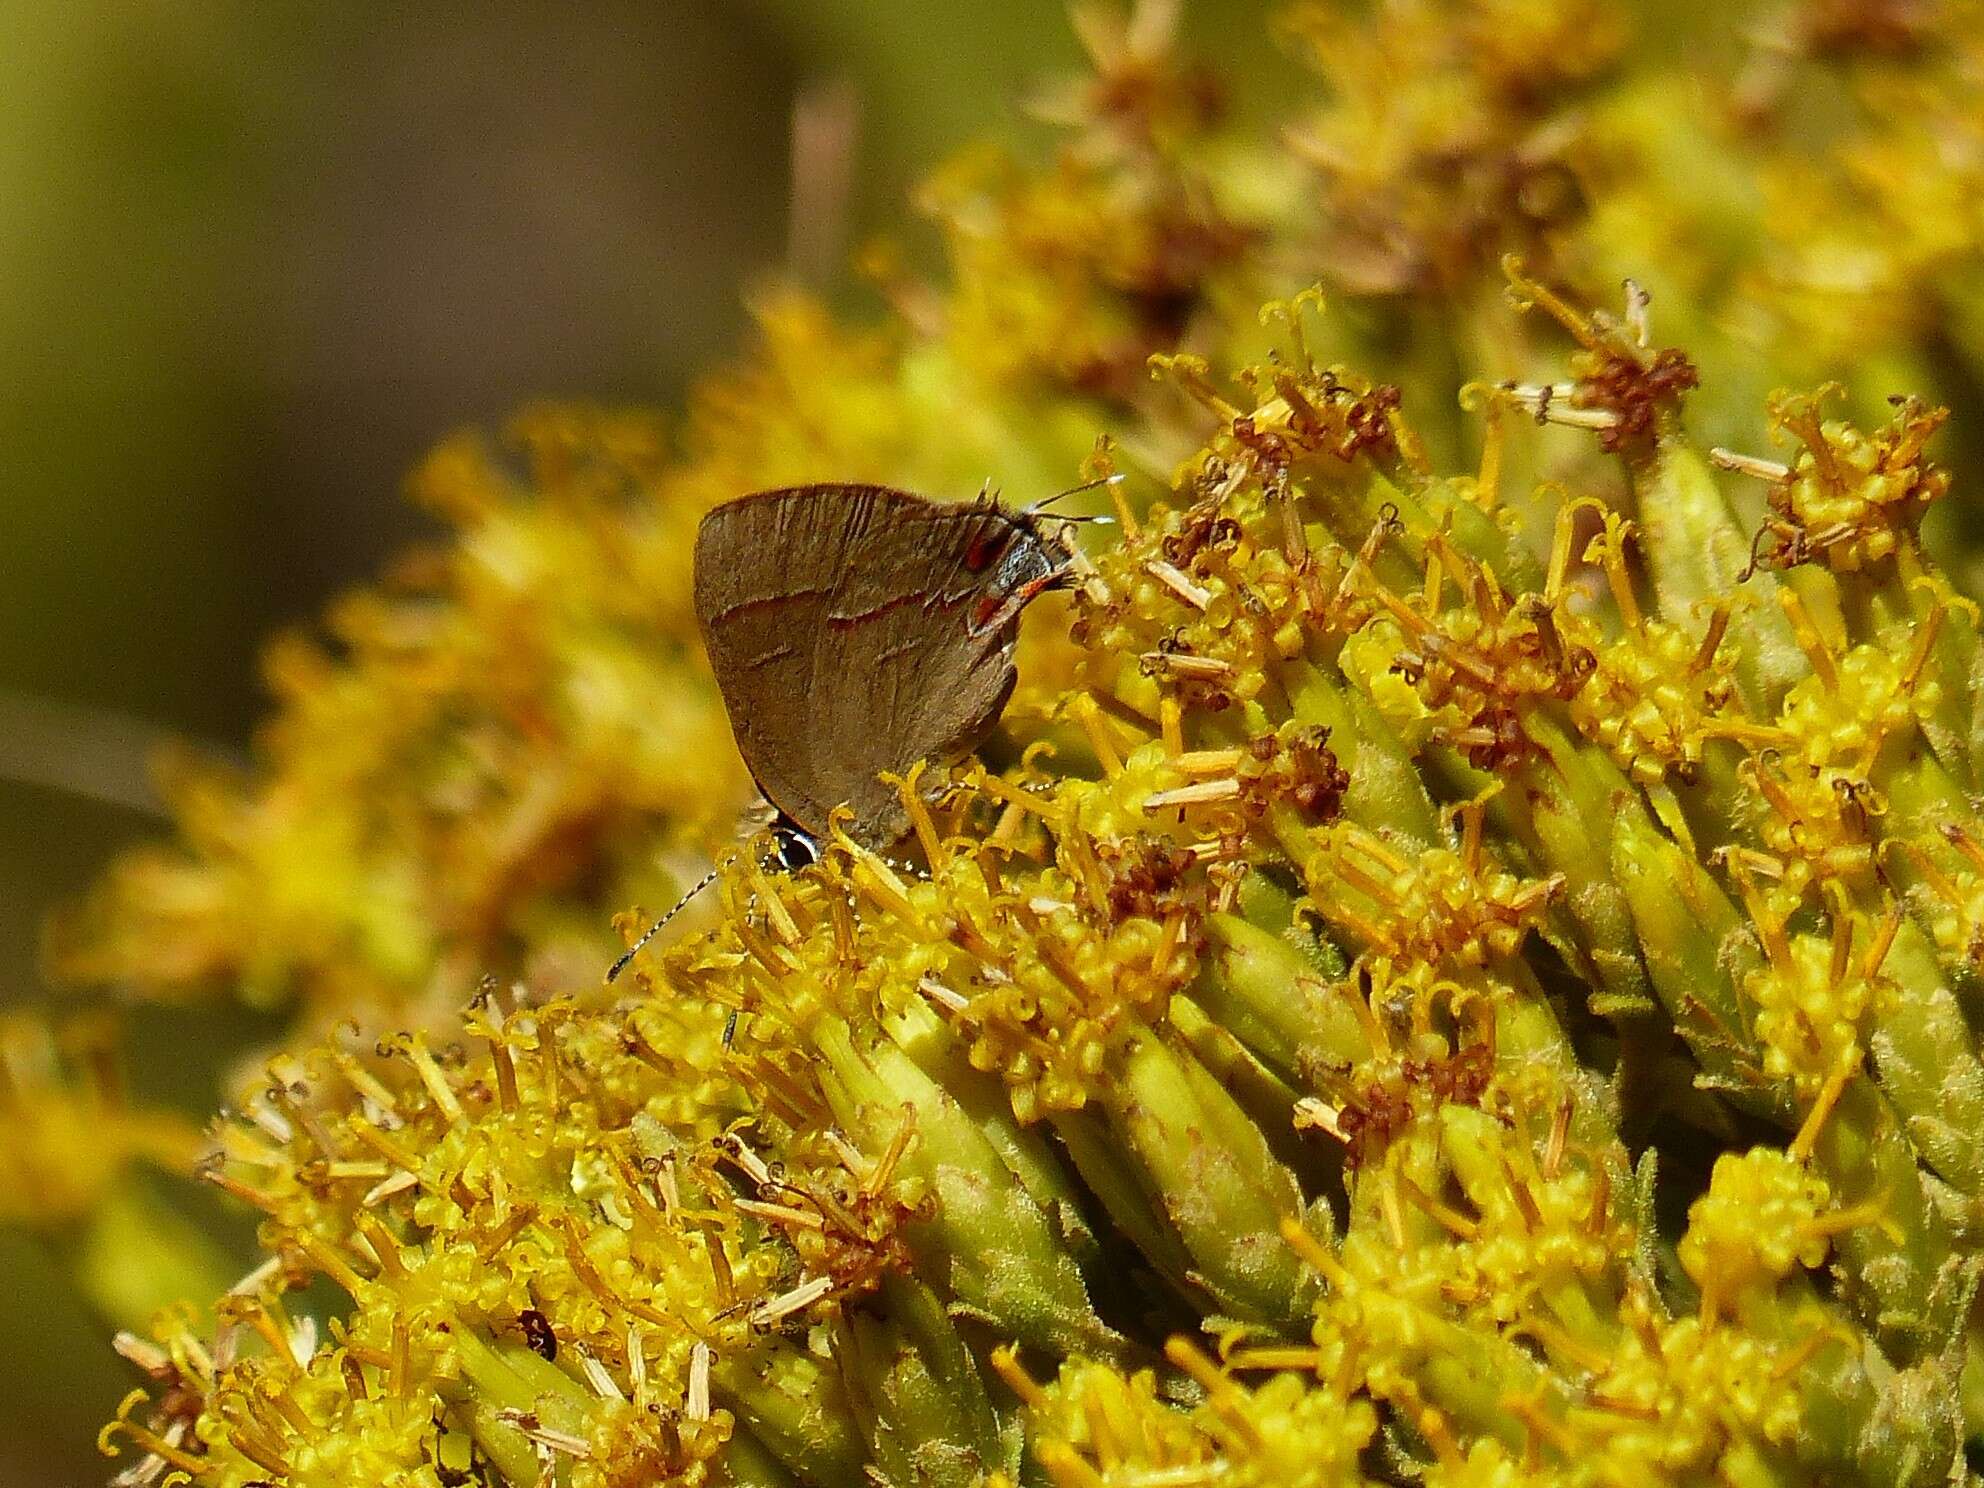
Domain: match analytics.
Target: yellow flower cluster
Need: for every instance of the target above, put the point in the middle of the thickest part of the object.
(66, 1129)
(1460, 967)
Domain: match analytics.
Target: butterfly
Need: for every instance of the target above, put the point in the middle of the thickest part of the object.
(856, 629)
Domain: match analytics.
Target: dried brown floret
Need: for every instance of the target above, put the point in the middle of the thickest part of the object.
(1295, 767)
(1152, 877)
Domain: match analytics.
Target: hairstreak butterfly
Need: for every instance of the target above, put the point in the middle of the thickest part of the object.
(857, 629)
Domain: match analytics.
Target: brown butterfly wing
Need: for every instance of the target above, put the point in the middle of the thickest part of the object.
(839, 623)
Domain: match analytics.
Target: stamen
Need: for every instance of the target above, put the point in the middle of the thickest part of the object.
(637, 1366)
(1560, 1131)
(1089, 714)
(1312, 1254)
(512, 1225)
(696, 1401)
(1185, 664)
(1806, 632)
(1199, 793)
(1392, 1213)
(880, 884)
(545, 1436)
(437, 1084)
(382, 1244)
(1006, 1364)
(1550, 404)
(1718, 626)
(1488, 480)
(1066, 1467)
(909, 788)
(1532, 1217)
(596, 1375)
(1217, 1386)
(1638, 302)
(257, 1111)
(755, 1168)
(1842, 943)
(386, 1187)
(943, 996)
(368, 1085)
(1631, 1410)
(1451, 1219)
(802, 1296)
(1807, 1140)
(1270, 1357)
(1925, 642)
(327, 1260)
(1192, 375)
(1169, 576)
(1750, 465)
(1204, 762)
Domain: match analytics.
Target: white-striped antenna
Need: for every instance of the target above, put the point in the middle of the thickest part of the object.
(656, 928)
(792, 848)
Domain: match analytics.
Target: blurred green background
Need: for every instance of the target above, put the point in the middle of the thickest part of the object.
(254, 259)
